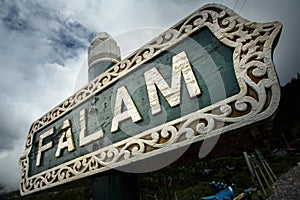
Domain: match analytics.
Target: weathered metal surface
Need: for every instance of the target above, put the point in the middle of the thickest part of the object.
(209, 74)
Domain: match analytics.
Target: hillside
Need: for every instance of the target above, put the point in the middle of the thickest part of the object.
(189, 179)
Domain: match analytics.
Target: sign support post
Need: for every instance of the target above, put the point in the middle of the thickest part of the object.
(208, 75)
(104, 53)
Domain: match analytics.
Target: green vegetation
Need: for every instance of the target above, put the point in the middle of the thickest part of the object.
(192, 180)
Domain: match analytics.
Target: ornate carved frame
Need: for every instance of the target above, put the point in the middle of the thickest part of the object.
(257, 100)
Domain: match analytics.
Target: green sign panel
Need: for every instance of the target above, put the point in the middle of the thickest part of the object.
(209, 74)
(205, 54)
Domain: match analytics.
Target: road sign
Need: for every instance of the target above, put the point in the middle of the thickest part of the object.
(209, 74)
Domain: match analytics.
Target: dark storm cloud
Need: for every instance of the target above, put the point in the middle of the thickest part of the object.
(68, 38)
(34, 35)
(30, 19)
(41, 42)
(7, 141)
(13, 20)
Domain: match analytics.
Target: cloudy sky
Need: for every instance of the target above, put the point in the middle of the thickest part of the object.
(43, 52)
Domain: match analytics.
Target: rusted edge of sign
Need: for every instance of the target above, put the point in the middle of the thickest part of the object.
(258, 98)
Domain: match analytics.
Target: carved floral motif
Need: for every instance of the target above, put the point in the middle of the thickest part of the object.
(258, 98)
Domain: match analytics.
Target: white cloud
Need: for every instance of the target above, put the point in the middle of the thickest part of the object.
(3, 154)
(10, 170)
(55, 83)
(43, 52)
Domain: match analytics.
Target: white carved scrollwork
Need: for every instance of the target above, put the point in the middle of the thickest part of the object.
(258, 98)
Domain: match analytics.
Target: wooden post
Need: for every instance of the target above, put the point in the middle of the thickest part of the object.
(266, 166)
(253, 177)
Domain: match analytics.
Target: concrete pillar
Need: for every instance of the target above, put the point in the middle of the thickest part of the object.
(112, 185)
(102, 54)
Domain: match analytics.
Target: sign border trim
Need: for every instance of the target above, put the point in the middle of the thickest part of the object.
(257, 100)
